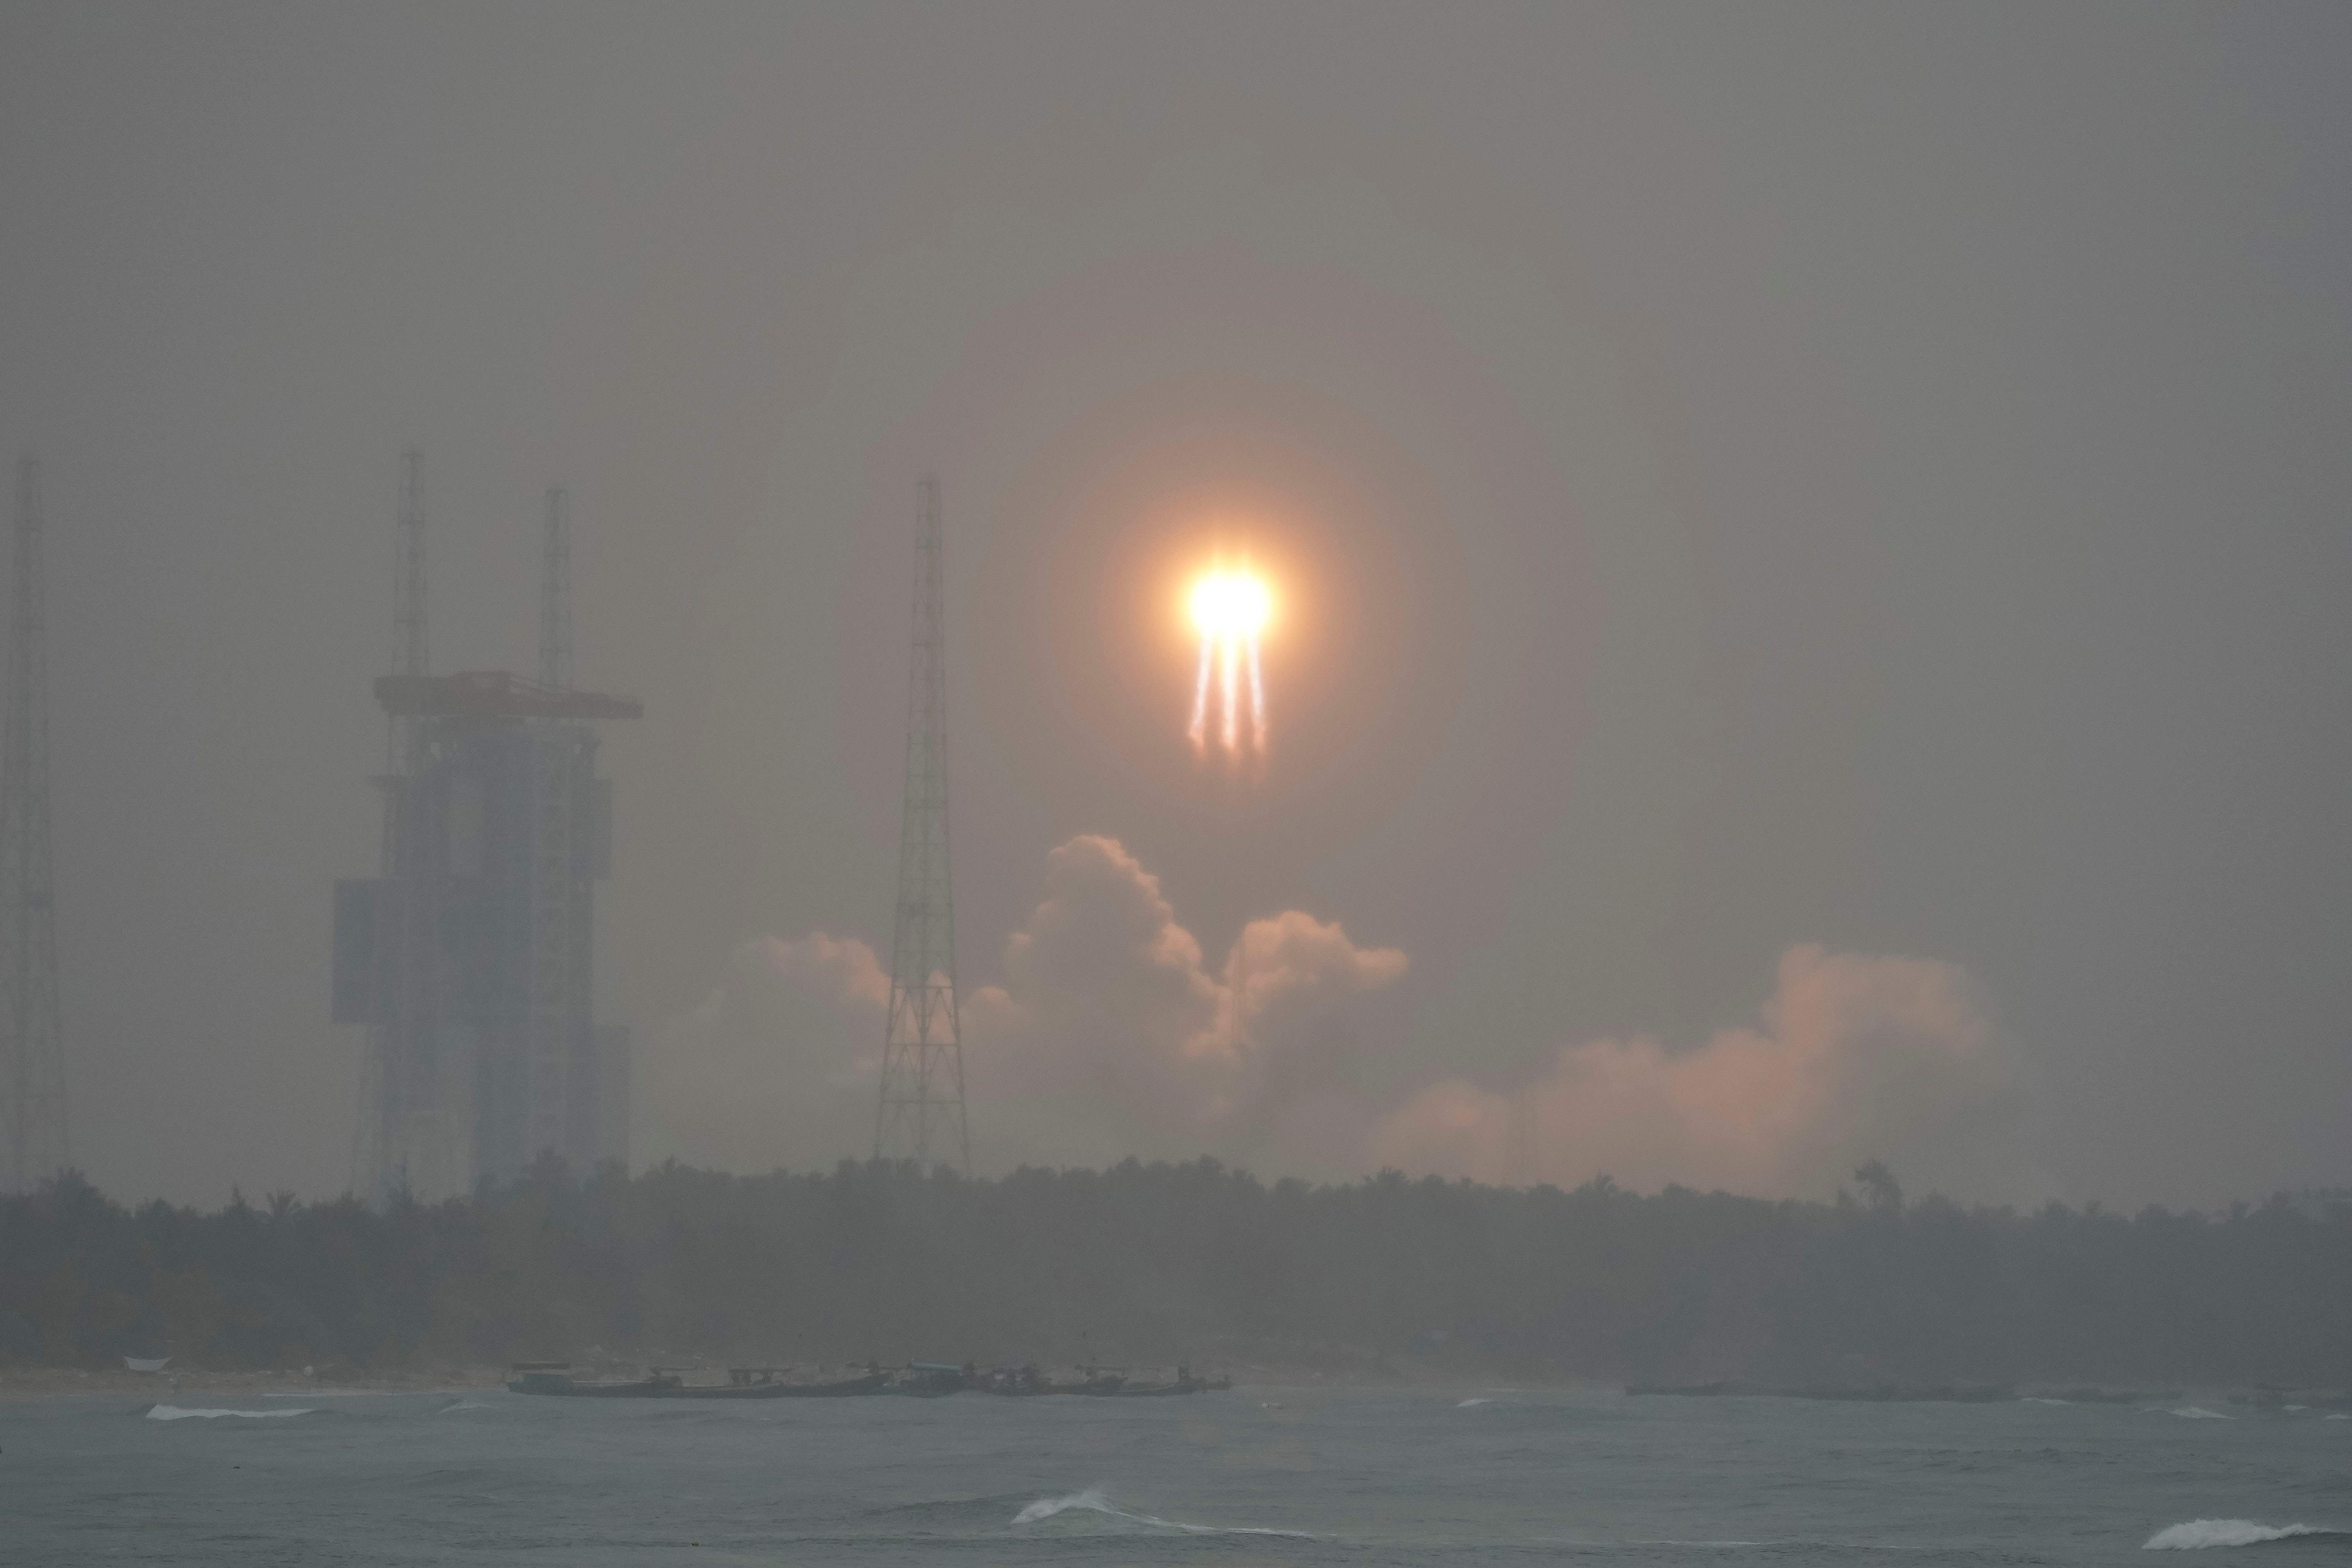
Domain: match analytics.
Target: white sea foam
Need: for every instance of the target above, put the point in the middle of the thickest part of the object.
(2339, 1416)
(1093, 1501)
(462, 1404)
(175, 1412)
(1482, 1399)
(1047, 1507)
(2200, 1532)
(2199, 1413)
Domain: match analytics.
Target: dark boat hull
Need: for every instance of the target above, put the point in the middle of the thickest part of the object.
(670, 1388)
(854, 1386)
(1161, 1390)
(934, 1386)
(564, 1388)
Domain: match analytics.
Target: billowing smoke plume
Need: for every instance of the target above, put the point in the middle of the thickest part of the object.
(1858, 1057)
(1110, 1036)
(1110, 1033)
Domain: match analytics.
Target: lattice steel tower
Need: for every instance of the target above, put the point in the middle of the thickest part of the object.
(555, 592)
(921, 1116)
(32, 1060)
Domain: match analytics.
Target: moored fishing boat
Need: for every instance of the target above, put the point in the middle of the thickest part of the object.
(921, 1380)
(1185, 1383)
(555, 1378)
(929, 1380)
(1092, 1380)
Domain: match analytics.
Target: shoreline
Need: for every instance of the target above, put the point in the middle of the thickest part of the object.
(172, 1387)
(26, 1384)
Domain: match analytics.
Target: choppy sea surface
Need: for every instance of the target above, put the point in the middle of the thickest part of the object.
(1254, 1475)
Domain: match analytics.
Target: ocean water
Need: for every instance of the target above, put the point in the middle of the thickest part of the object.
(1252, 1476)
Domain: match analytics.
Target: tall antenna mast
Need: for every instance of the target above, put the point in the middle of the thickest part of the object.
(408, 592)
(921, 1113)
(555, 592)
(32, 1061)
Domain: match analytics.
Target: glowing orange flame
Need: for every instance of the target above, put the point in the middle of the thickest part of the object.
(1231, 608)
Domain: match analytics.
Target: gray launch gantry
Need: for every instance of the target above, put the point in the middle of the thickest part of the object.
(470, 956)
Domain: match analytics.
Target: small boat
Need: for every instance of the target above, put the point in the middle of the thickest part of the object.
(771, 1389)
(929, 1380)
(1013, 1379)
(556, 1379)
(1185, 1384)
(1093, 1381)
(868, 1382)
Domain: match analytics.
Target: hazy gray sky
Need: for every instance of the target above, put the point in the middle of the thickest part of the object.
(1807, 527)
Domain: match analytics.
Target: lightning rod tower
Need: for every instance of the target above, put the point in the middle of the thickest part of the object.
(32, 1062)
(921, 1116)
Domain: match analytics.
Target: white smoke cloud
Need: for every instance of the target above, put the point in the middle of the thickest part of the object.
(1111, 1036)
(1107, 1035)
(1111, 1033)
(1858, 1057)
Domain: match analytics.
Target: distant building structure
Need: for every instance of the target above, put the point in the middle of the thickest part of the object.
(470, 956)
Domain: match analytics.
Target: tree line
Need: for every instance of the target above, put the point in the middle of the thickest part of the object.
(1165, 1263)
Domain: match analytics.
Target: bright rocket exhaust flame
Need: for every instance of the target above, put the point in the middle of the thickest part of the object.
(1230, 608)
(1258, 699)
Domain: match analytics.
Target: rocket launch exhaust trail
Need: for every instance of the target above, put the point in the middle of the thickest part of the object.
(1230, 608)
(1201, 699)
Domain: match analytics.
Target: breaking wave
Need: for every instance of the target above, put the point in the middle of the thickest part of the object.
(462, 1404)
(175, 1412)
(1482, 1399)
(2199, 1413)
(1047, 1507)
(2200, 1532)
(1092, 1500)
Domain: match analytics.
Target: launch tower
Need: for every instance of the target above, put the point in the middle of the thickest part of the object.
(469, 956)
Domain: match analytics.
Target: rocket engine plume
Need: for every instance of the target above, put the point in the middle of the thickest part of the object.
(1231, 608)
